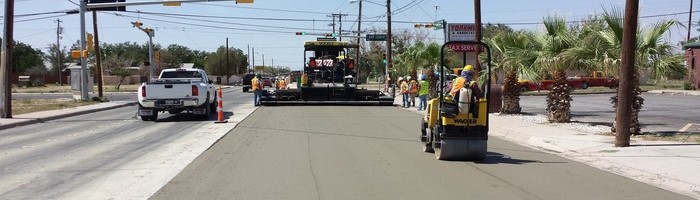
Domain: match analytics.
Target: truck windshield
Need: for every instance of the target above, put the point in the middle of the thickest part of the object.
(181, 74)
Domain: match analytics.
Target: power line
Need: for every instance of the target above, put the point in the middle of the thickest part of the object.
(268, 9)
(201, 25)
(242, 24)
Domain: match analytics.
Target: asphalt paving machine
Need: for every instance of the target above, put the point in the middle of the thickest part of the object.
(461, 135)
(328, 77)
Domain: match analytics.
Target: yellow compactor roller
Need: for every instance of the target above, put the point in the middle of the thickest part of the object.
(457, 135)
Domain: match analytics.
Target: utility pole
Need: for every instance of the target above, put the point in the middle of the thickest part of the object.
(359, 41)
(690, 20)
(253, 66)
(7, 58)
(83, 59)
(98, 62)
(624, 95)
(58, 50)
(333, 23)
(227, 63)
(340, 20)
(248, 57)
(477, 23)
(388, 38)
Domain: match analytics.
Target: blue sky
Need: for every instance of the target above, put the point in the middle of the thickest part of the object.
(276, 40)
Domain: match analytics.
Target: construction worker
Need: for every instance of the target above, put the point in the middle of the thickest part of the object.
(466, 79)
(282, 84)
(423, 92)
(412, 90)
(403, 88)
(256, 86)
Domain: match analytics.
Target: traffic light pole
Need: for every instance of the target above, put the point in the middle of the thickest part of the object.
(83, 59)
(150, 55)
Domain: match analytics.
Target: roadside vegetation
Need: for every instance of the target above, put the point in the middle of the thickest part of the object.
(51, 88)
(35, 105)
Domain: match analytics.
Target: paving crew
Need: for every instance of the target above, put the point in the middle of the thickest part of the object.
(423, 91)
(466, 79)
(256, 86)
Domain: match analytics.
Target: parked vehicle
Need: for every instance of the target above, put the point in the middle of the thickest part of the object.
(175, 91)
(598, 79)
(267, 81)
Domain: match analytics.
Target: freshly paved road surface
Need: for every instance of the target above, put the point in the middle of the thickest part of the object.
(99, 155)
(346, 152)
(660, 113)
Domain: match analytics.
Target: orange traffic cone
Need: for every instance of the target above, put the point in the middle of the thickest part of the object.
(220, 108)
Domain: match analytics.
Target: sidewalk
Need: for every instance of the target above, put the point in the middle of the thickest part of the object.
(673, 166)
(37, 117)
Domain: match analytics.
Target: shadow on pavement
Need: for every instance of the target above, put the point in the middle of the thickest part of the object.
(498, 158)
(191, 117)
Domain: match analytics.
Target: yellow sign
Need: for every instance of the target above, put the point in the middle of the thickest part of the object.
(167, 3)
(244, 1)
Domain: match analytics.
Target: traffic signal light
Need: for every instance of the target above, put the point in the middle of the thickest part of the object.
(300, 33)
(418, 25)
(330, 35)
(90, 42)
(156, 56)
(137, 24)
(428, 25)
(384, 58)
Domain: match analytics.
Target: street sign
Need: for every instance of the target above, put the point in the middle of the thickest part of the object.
(375, 37)
(259, 68)
(461, 32)
(462, 47)
(437, 25)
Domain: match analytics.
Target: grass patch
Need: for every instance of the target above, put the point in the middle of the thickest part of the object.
(36, 105)
(663, 85)
(66, 89)
(690, 138)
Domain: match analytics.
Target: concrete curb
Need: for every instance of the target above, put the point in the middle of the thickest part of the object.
(683, 92)
(61, 116)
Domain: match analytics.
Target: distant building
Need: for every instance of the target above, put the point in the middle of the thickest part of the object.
(187, 65)
(692, 61)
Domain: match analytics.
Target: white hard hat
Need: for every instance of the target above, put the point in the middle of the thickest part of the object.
(408, 77)
(400, 78)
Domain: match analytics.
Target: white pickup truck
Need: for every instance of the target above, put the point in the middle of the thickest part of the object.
(175, 91)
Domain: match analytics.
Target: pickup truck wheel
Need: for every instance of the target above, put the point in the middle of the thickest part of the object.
(584, 86)
(207, 108)
(213, 105)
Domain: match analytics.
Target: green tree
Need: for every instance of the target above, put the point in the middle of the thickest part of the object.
(216, 62)
(53, 55)
(513, 55)
(552, 60)
(26, 57)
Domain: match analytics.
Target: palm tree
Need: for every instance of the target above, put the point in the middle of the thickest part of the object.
(552, 60)
(604, 49)
(512, 55)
